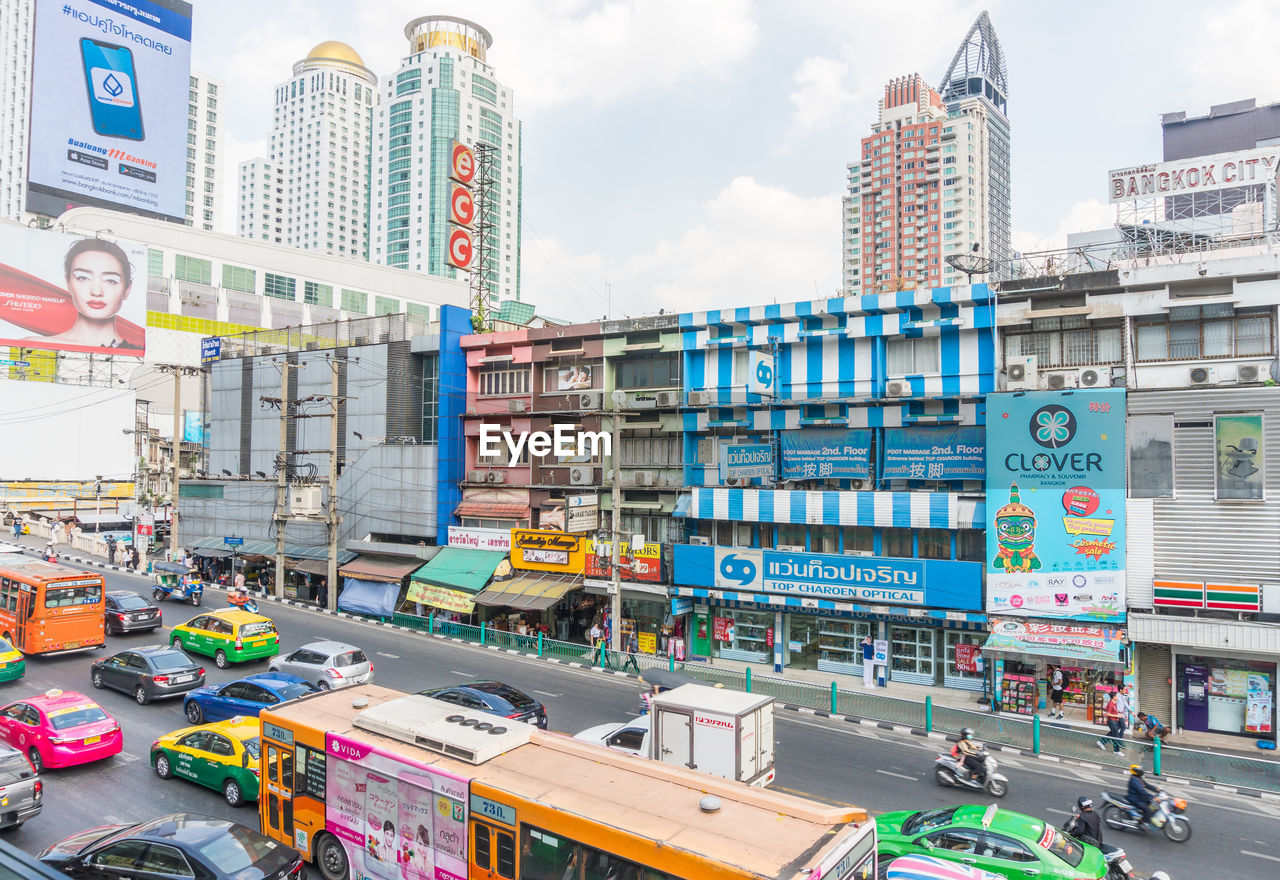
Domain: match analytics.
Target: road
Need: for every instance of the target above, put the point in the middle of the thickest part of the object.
(830, 761)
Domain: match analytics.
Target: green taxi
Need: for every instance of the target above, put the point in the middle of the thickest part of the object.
(12, 664)
(1011, 844)
(222, 756)
(228, 635)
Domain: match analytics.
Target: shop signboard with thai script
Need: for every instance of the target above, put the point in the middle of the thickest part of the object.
(537, 550)
(746, 461)
(643, 566)
(1056, 504)
(582, 513)
(480, 539)
(1090, 644)
(826, 453)
(934, 453)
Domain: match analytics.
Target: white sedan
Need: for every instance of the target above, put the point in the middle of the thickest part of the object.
(631, 736)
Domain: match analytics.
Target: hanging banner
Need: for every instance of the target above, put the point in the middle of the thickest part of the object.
(826, 453)
(1240, 471)
(1056, 504)
(761, 376)
(934, 453)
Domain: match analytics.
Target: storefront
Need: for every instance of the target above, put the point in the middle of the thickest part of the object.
(546, 567)
(447, 585)
(1232, 695)
(1021, 651)
(646, 608)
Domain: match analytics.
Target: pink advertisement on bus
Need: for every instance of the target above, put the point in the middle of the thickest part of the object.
(400, 820)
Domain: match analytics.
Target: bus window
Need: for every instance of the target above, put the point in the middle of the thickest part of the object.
(545, 856)
(67, 597)
(482, 855)
(506, 855)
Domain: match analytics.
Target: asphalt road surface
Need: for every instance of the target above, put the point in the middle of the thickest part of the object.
(1234, 836)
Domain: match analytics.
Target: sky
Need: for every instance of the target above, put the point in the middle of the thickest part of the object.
(691, 154)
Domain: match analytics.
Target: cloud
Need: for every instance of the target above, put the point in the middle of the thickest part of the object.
(752, 244)
(1082, 217)
(1233, 53)
(820, 95)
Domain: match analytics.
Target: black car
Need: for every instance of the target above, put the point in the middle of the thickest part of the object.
(129, 612)
(493, 697)
(149, 673)
(175, 847)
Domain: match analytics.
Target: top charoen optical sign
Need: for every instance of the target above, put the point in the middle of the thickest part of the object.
(1201, 174)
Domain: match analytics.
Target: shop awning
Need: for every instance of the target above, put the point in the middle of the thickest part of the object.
(309, 566)
(1066, 643)
(485, 510)
(528, 593)
(423, 593)
(919, 510)
(460, 568)
(211, 552)
(268, 549)
(387, 569)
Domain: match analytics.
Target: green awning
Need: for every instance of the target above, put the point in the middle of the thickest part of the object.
(1066, 643)
(461, 569)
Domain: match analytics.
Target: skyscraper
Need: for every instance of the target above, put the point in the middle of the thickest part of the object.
(15, 106)
(204, 151)
(933, 178)
(312, 189)
(444, 90)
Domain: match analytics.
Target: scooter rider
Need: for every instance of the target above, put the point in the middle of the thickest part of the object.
(969, 750)
(1086, 826)
(1140, 793)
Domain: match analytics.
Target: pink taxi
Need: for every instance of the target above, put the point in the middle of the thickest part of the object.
(60, 729)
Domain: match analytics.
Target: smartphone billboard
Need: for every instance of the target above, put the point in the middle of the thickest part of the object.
(109, 106)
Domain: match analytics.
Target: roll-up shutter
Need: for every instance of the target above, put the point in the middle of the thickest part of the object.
(1155, 665)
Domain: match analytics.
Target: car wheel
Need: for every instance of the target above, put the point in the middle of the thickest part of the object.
(231, 791)
(140, 694)
(163, 768)
(194, 713)
(331, 858)
(195, 600)
(37, 762)
(97, 680)
(157, 595)
(220, 658)
(175, 642)
(322, 685)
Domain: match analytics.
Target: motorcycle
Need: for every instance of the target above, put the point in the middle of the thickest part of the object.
(1166, 815)
(243, 601)
(1118, 866)
(949, 772)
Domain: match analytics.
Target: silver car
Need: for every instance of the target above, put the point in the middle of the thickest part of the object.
(326, 664)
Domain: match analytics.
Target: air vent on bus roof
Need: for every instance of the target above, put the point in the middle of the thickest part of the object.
(468, 736)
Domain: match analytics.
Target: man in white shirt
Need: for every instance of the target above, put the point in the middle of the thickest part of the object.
(595, 634)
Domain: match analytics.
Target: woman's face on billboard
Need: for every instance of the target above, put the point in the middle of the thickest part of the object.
(96, 284)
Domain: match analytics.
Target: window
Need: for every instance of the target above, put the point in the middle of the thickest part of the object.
(385, 305)
(316, 294)
(896, 542)
(499, 379)
(166, 860)
(279, 286)
(155, 262)
(192, 269)
(1194, 332)
(354, 301)
(858, 539)
(910, 356)
(1150, 456)
(123, 856)
(1067, 342)
(960, 840)
(660, 371)
(239, 278)
(912, 650)
(67, 597)
(934, 544)
(430, 397)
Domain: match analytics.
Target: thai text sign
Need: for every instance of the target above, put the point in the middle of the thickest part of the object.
(826, 453)
(537, 550)
(480, 539)
(1056, 504)
(1201, 174)
(934, 453)
(746, 461)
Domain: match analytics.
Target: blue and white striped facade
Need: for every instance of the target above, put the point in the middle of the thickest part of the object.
(831, 359)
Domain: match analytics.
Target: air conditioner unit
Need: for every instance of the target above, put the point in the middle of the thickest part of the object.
(699, 541)
(699, 398)
(589, 400)
(668, 398)
(736, 481)
(1249, 373)
(706, 451)
(791, 548)
(1095, 377)
(497, 476)
(1060, 379)
(899, 389)
(515, 406)
(1020, 373)
(1204, 375)
(305, 500)
(581, 476)
(475, 476)
(644, 478)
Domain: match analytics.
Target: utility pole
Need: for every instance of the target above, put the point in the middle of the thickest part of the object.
(175, 545)
(332, 517)
(280, 517)
(615, 561)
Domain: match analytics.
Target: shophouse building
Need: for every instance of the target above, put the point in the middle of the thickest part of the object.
(832, 453)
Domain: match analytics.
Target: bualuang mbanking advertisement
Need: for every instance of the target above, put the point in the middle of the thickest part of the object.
(1055, 504)
(71, 293)
(109, 99)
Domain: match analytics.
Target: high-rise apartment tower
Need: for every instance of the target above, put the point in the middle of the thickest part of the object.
(205, 112)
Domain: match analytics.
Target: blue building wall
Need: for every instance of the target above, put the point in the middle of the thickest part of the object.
(455, 322)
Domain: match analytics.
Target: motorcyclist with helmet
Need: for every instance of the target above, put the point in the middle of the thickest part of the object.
(1140, 794)
(969, 750)
(1086, 825)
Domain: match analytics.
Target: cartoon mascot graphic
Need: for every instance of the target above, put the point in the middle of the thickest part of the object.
(1016, 535)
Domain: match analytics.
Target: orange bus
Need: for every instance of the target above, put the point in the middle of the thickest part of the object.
(372, 784)
(46, 608)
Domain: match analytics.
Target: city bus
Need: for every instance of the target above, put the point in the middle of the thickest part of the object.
(47, 608)
(372, 784)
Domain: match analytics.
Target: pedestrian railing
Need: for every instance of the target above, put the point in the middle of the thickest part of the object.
(1030, 734)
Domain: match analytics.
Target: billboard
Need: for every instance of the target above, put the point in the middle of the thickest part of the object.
(1056, 504)
(1241, 470)
(79, 434)
(933, 453)
(746, 461)
(1200, 174)
(109, 106)
(70, 293)
(826, 453)
(646, 565)
(194, 429)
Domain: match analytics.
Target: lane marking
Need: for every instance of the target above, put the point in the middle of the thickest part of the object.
(1245, 852)
(548, 694)
(1059, 812)
(898, 775)
(463, 674)
(385, 654)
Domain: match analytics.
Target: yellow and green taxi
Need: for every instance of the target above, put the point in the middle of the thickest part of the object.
(12, 664)
(228, 635)
(222, 756)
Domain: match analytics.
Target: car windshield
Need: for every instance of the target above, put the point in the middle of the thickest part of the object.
(1064, 846)
(238, 849)
(66, 597)
(251, 746)
(14, 767)
(923, 823)
(249, 630)
(293, 691)
(130, 602)
(350, 658)
(63, 719)
(171, 660)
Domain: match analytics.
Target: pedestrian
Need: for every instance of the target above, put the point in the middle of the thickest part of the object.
(239, 581)
(322, 593)
(633, 648)
(1057, 683)
(868, 662)
(1128, 707)
(17, 527)
(133, 558)
(595, 638)
(111, 548)
(1150, 727)
(1115, 725)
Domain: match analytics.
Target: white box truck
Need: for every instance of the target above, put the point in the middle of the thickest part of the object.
(723, 732)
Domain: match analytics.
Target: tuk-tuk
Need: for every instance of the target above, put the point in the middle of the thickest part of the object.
(174, 580)
(659, 680)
